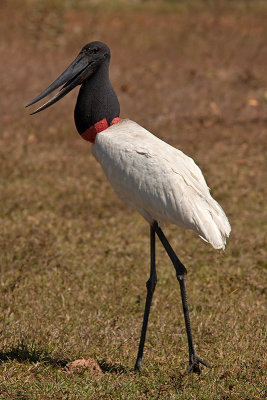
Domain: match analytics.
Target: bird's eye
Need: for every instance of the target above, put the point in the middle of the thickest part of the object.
(95, 50)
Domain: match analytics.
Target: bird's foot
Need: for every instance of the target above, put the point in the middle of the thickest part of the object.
(194, 364)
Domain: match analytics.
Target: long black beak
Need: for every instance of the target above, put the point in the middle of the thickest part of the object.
(74, 75)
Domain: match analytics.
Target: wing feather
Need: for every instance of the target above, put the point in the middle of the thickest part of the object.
(160, 181)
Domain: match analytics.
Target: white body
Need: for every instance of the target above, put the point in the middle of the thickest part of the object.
(159, 181)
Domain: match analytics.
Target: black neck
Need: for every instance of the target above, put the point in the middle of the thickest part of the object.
(96, 100)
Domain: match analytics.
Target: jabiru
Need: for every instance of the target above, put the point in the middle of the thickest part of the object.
(158, 180)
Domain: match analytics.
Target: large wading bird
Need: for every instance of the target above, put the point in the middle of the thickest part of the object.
(158, 180)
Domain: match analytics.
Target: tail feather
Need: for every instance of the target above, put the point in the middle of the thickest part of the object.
(212, 224)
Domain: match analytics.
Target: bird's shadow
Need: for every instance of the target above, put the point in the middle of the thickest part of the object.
(112, 368)
(24, 353)
(29, 353)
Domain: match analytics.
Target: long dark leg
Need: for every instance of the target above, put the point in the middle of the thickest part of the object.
(150, 285)
(181, 272)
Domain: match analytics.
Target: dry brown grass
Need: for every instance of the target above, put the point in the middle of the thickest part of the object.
(74, 260)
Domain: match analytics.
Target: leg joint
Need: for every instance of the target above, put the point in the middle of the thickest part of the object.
(151, 283)
(181, 275)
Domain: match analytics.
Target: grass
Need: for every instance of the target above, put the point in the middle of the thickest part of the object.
(74, 260)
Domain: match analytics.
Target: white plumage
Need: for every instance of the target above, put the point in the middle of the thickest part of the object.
(159, 181)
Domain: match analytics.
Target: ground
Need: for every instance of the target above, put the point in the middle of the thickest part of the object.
(74, 259)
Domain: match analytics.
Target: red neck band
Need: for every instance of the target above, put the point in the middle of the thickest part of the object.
(90, 133)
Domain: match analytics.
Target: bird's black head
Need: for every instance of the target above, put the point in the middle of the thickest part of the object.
(96, 50)
(83, 67)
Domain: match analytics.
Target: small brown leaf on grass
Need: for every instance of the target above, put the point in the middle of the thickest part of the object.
(83, 364)
(32, 219)
(31, 138)
(253, 102)
(214, 108)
